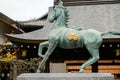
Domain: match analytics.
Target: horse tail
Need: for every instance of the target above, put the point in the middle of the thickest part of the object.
(112, 31)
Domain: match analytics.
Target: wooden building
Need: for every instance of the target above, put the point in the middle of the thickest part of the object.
(7, 26)
(101, 15)
(10, 65)
(32, 24)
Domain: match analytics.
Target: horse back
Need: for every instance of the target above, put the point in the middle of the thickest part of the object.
(92, 37)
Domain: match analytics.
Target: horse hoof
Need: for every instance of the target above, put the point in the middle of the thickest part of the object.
(81, 70)
(38, 71)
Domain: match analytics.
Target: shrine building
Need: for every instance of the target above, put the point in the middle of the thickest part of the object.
(101, 15)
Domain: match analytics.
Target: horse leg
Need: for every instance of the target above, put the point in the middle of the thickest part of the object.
(41, 46)
(95, 57)
(51, 47)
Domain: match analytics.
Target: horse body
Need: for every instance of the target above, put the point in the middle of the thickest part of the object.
(69, 38)
(79, 38)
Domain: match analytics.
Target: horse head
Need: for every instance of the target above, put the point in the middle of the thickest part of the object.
(59, 15)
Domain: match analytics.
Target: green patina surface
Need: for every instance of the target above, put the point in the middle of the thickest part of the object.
(67, 37)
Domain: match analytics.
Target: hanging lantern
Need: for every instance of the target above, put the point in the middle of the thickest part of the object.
(24, 52)
(117, 52)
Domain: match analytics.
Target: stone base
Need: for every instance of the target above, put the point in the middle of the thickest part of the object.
(66, 76)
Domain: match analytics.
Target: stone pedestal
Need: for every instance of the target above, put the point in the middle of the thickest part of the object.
(65, 76)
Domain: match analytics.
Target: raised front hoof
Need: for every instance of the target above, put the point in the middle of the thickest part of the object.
(42, 56)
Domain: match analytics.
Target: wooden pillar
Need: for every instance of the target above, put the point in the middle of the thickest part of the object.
(14, 71)
(95, 67)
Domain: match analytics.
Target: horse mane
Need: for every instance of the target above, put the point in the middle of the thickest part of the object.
(62, 16)
(65, 13)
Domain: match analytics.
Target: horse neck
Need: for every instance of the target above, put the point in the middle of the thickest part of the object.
(60, 22)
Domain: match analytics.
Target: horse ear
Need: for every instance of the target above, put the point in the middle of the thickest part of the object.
(60, 2)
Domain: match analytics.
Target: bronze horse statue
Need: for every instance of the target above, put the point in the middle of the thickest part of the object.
(69, 38)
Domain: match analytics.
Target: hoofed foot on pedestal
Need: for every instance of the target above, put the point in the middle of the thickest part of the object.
(40, 70)
(81, 70)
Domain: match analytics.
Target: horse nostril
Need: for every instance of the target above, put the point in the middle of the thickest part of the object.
(51, 20)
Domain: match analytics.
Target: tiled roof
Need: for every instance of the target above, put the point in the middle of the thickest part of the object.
(9, 21)
(6, 18)
(34, 22)
(87, 2)
(34, 36)
(99, 17)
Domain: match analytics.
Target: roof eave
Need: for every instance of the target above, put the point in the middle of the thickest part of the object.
(14, 39)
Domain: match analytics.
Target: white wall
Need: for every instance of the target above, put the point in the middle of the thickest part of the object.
(57, 68)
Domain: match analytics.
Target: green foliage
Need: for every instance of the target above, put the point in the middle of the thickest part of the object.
(27, 66)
